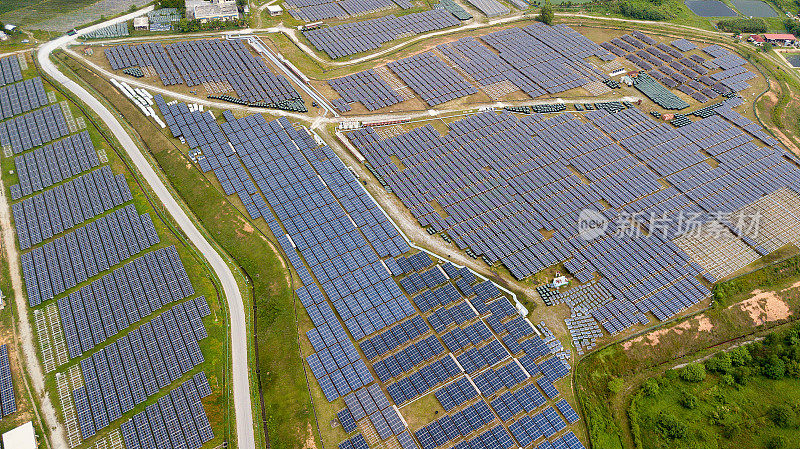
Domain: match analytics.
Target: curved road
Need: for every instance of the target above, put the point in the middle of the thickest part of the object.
(240, 371)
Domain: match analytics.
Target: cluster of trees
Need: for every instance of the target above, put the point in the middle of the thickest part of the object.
(188, 26)
(792, 26)
(775, 357)
(743, 25)
(546, 14)
(645, 9)
(180, 5)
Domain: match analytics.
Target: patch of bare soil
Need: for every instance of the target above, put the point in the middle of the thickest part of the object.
(309, 442)
(701, 323)
(764, 306)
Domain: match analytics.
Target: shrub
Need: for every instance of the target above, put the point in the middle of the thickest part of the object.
(688, 400)
(719, 363)
(615, 385)
(781, 415)
(742, 25)
(776, 442)
(773, 367)
(694, 372)
(670, 427)
(650, 388)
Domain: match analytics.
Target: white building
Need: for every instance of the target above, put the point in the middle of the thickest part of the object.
(141, 23)
(274, 10)
(22, 437)
(215, 10)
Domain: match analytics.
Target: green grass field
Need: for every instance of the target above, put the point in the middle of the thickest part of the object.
(23, 12)
(725, 416)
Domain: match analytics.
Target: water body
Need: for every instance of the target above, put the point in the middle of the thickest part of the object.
(755, 8)
(710, 8)
(794, 60)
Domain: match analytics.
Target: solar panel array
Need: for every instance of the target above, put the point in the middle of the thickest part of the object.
(126, 372)
(33, 129)
(100, 310)
(230, 61)
(67, 205)
(348, 39)
(336, 238)
(8, 402)
(547, 59)
(53, 163)
(227, 64)
(366, 88)
(178, 419)
(310, 11)
(691, 75)
(58, 265)
(432, 79)
(528, 186)
(10, 71)
(490, 8)
(22, 97)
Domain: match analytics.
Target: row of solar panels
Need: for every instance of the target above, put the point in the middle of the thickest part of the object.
(427, 378)
(67, 205)
(366, 88)
(10, 71)
(404, 361)
(126, 372)
(33, 129)
(58, 265)
(144, 55)
(432, 79)
(110, 304)
(348, 39)
(21, 97)
(53, 163)
(343, 8)
(8, 402)
(178, 419)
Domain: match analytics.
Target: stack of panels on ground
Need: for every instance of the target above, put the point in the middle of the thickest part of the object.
(33, 129)
(130, 293)
(18, 98)
(8, 402)
(126, 372)
(67, 205)
(177, 419)
(54, 162)
(58, 265)
(348, 39)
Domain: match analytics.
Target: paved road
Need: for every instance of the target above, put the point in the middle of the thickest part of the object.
(239, 339)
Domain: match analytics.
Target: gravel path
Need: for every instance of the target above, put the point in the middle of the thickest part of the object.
(34, 368)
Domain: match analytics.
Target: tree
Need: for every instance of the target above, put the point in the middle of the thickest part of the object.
(740, 356)
(773, 367)
(767, 47)
(693, 372)
(546, 14)
(719, 363)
